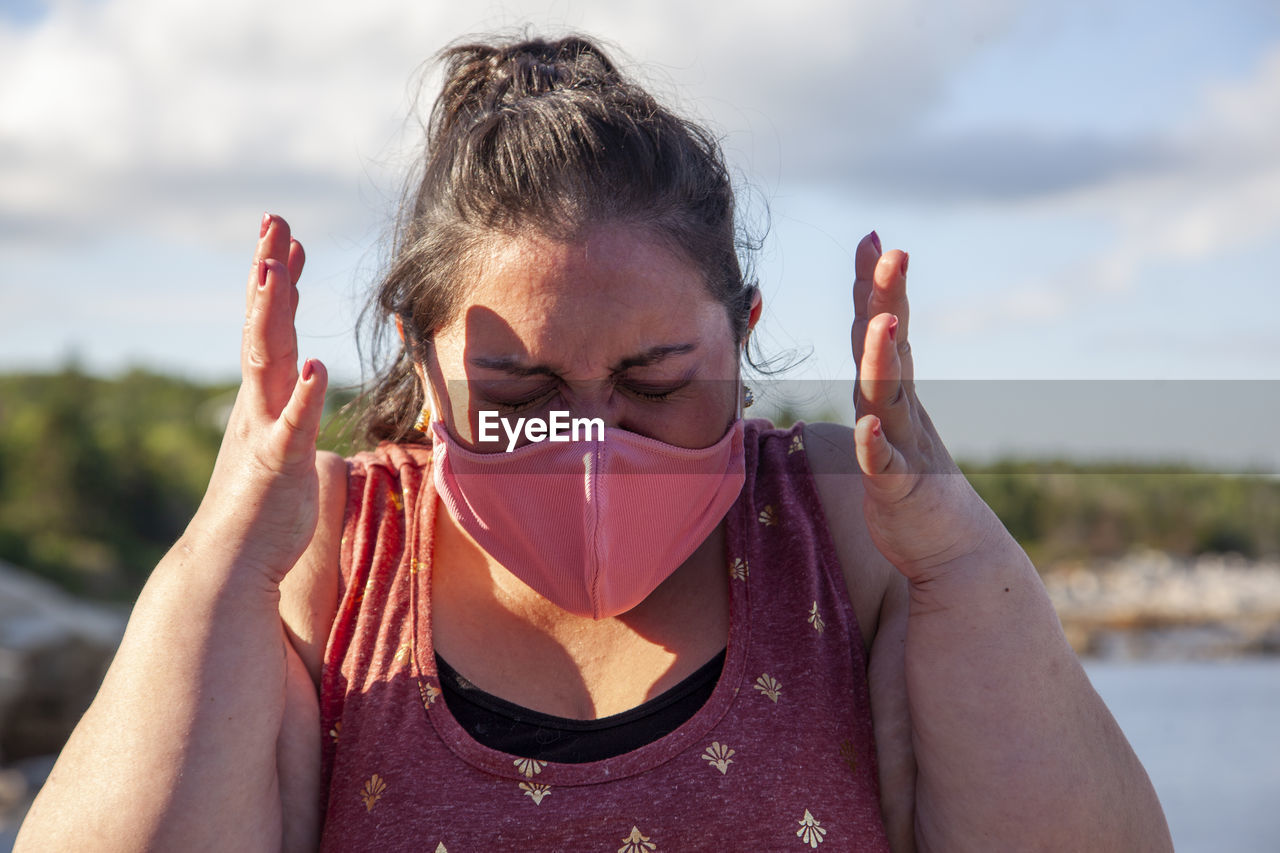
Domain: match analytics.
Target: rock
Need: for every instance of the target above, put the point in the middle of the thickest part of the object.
(13, 789)
(54, 651)
(18, 787)
(1149, 604)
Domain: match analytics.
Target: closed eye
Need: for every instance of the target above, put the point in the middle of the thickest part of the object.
(653, 392)
(526, 400)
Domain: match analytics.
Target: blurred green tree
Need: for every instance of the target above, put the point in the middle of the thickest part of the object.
(98, 477)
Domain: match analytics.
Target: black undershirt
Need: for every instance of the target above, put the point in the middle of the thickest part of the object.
(509, 728)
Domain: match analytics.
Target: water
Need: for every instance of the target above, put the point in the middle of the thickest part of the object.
(1209, 735)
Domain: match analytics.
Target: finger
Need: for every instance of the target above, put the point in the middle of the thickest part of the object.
(251, 286)
(858, 338)
(297, 257)
(273, 242)
(880, 388)
(864, 264)
(889, 292)
(298, 426)
(269, 355)
(888, 476)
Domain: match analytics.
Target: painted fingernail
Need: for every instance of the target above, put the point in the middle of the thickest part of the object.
(266, 223)
(893, 329)
(875, 241)
(306, 370)
(905, 259)
(875, 428)
(262, 273)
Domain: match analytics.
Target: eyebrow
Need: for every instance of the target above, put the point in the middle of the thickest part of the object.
(514, 366)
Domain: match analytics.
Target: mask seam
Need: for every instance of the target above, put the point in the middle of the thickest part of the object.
(596, 480)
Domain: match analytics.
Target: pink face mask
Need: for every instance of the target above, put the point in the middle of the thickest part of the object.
(593, 526)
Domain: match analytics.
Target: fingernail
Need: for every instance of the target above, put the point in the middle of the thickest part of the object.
(266, 223)
(262, 273)
(875, 241)
(905, 259)
(893, 329)
(306, 370)
(875, 428)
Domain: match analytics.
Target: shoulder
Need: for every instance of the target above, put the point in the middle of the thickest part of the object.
(309, 593)
(829, 449)
(388, 461)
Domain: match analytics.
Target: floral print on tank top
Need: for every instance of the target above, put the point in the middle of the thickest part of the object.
(780, 757)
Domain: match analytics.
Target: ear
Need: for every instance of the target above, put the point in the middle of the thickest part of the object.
(757, 304)
(417, 366)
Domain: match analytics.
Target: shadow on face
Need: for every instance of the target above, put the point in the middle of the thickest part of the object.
(613, 326)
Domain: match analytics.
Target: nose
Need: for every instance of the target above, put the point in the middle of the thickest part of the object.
(596, 399)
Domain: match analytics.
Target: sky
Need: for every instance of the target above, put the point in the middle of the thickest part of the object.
(1089, 191)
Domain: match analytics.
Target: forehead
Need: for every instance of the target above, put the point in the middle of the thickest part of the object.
(585, 302)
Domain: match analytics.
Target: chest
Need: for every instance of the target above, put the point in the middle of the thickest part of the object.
(520, 648)
(779, 757)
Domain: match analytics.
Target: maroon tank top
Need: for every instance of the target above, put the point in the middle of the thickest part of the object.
(780, 757)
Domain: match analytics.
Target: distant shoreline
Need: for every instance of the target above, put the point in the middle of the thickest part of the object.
(1152, 606)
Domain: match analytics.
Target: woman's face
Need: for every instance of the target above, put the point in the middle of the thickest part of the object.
(614, 326)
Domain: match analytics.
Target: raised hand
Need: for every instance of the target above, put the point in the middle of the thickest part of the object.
(262, 497)
(921, 512)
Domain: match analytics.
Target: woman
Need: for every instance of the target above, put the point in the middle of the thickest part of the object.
(685, 631)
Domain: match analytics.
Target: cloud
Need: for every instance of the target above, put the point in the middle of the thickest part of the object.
(185, 120)
(1225, 189)
(177, 119)
(1212, 185)
(997, 165)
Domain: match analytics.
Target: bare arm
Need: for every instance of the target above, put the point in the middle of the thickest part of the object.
(1012, 747)
(180, 748)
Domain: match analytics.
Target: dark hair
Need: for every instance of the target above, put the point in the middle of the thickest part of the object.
(549, 135)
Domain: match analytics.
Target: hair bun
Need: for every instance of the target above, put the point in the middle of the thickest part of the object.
(480, 79)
